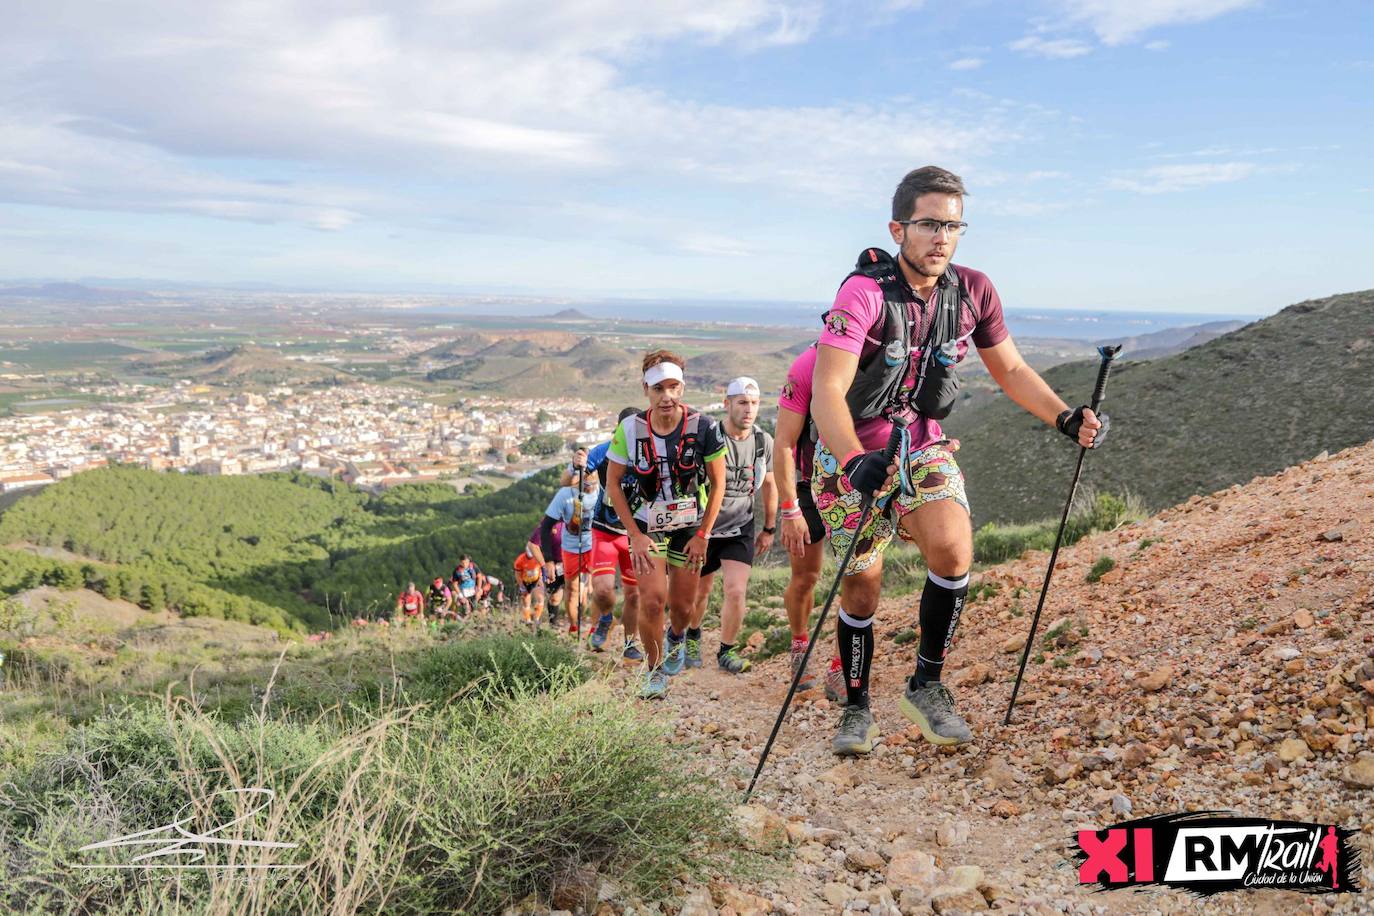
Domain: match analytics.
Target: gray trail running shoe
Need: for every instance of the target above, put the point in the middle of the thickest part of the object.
(733, 662)
(674, 653)
(932, 709)
(834, 685)
(693, 653)
(808, 680)
(598, 638)
(856, 733)
(632, 653)
(655, 685)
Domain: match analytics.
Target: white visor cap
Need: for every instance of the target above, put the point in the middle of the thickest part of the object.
(661, 372)
(742, 385)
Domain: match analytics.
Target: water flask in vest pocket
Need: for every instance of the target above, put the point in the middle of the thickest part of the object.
(895, 353)
(948, 353)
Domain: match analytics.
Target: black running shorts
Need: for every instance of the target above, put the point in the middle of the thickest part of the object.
(740, 548)
(807, 503)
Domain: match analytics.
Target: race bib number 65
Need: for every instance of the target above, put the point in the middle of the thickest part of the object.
(672, 514)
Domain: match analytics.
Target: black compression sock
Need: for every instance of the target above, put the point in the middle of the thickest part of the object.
(855, 636)
(694, 633)
(942, 601)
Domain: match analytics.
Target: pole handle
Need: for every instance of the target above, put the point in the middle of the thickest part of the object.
(894, 441)
(1108, 354)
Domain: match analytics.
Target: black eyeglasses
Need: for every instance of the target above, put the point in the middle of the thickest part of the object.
(931, 227)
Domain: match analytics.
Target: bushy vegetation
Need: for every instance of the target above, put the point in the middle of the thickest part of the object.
(503, 666)
(145, 585)
(1104, 565)
(488, 773)
(993, 543)
(288, 551)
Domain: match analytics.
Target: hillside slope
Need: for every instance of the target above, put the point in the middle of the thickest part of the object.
(275, 548)
(1226, 663)
(1251, 402)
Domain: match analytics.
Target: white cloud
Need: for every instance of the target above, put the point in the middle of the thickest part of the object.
(1121, 21)
(163, 106)
(1055, 48)
(1116, 22)
(1163, 179)
(967, 63)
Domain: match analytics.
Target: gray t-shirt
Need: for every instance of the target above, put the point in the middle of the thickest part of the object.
(745, 467)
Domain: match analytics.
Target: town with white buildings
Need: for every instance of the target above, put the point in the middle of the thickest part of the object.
(373, 436)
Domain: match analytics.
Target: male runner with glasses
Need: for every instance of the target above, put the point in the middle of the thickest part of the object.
(888, 351)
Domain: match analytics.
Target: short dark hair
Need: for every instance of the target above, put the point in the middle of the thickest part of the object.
(929, 179)
(654, 357)
(626, 412)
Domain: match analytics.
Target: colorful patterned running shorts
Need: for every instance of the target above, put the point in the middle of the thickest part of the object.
(934, 475)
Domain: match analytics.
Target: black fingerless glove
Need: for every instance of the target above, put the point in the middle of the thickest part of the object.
(1071, 421)
(867, 472)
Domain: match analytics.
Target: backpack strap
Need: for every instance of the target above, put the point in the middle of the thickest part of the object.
(760, 454)
(687, 461)
(881, 268)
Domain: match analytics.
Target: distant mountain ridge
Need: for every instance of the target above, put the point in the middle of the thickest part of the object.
(1272, 394)
(1173, 340)
(69, 292)
(241, 364)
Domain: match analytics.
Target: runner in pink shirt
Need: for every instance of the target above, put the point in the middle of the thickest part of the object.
(803, 532)
(892, 341)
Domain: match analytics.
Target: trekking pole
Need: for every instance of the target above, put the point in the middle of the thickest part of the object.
(581, 564)
(893, 443)
(1099, 392)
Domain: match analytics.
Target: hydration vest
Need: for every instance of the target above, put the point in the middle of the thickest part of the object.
(641, 482)
(575, 523)
(877, 386)
(760, 460)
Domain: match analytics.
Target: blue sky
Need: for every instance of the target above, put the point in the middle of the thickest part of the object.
(1173, 155)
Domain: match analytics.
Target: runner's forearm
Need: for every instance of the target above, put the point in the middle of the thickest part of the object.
(790, 428)
(770, 501)
(1033, 394)
(829, 384)
(614, 474)
(786, 475)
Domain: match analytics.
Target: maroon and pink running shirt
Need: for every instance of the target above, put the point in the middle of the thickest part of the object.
(849, 326)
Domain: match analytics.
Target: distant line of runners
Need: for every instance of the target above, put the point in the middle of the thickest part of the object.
(466, 591)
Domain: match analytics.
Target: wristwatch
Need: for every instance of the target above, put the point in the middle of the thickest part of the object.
(769, 530)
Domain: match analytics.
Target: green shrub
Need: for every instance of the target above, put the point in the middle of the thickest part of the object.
(993, 543)
(984, 589)
(416, 810)
(778, 641)
(550, 787)
(505, 664)
(1104, 565)
(905, 636)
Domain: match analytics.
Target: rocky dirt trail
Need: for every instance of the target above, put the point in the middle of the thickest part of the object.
(1225, 663)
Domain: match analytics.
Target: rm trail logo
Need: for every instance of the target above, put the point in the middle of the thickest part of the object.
(1208, 852)
(177, 845)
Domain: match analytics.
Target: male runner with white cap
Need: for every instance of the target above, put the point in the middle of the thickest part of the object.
(748, 470)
